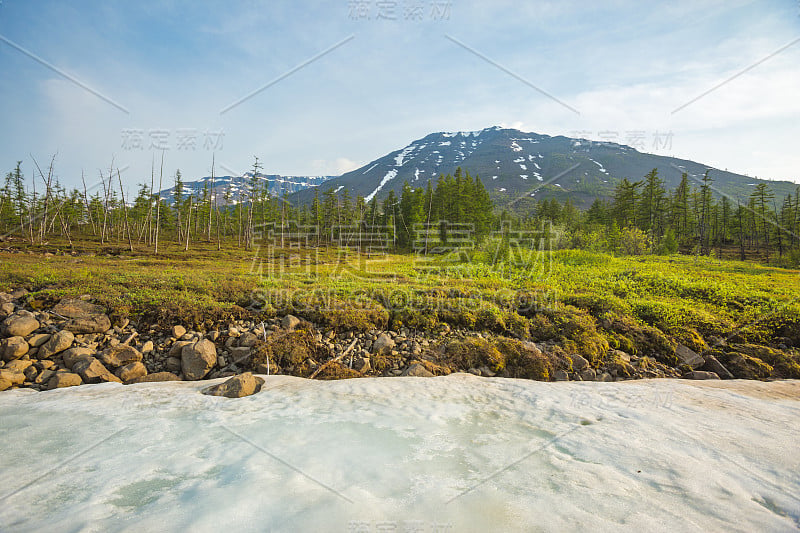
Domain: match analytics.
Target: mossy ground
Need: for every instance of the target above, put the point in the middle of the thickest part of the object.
(586, 303)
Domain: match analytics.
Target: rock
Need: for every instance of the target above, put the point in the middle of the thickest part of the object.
(13, 348)
(362, 364)
(485, 372)
(44, 377)
(19, 364)
(237, 386)
(6, 309)
(177, 348)
(700, 374)
(588, 374)
(38, 339)
(247, 340)
(74, 308)
(173, 364)
(383, 344)
(120, 355)
(156, 377)
(289, 322)
(578, 362)
(57, 343)
(178, 331)
(621, 355)
(131, 371)
(90, 324)
(74, 355)
(147, 347)
(31, 372)
(605, 376)
(417, 370)
(5, 384)
(712, 364)
(15, 377)
(92, 371)
(688, 357)
(20, 324)
(561, 375)
(241, 356)
(262, 368)
(198, 359)
(64, 379)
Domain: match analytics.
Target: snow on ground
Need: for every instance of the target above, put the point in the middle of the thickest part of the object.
(386, 179)
(458, 453)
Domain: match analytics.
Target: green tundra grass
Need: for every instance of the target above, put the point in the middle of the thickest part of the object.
(584, 302)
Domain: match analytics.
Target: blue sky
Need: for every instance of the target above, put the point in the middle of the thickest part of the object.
(174, 66)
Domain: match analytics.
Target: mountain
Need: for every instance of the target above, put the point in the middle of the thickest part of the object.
(233, 184)
(514, 165)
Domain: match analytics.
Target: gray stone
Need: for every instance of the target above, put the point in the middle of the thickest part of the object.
(578, 362)
(74, 308)
(38, 339)
(64, 379)
(6, 309)
(57, 343)
(712, 364)
(417, 370)
(237, 386)
(561, 375)
(120, 355)
(20, 324)
(700, 374)
(156, 377)
(44, 377)
(383, 344)
(13, 348)
(605, 376)
(92, 371)
(688, 357)
(177, 348)
(241, 356)
(362, 364)
(89, 324)
(198, 359)
(622, 355)
(247, 340)
(588, 374)
(131, 371)
(173, 364)
(178, 331)
(74, 355)
(290, 322)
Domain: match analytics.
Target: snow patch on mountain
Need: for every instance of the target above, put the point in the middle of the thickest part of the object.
(386, 179)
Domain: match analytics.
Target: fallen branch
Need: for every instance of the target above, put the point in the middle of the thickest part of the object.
(334, 360)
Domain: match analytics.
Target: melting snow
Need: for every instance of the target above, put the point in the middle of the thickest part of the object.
(516, 147)
(386, 179)
(445, 143)
(398, 160)
(502, 189)
(523, 176)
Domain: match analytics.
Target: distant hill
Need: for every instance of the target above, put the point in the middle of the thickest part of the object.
(513, 165)
(232, 185)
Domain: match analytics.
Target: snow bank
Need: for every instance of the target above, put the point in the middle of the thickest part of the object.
(459, 453)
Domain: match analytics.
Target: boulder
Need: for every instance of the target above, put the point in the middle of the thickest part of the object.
(241, 356)
(417, 370)
(177, 347)
(178, 331)
(5, 384)
(120, 355)
(198, 359)
(64, 379)
(19, 364)
(92, 371)
(688, 357)
(13, 348)
(156, 377)
(147, 347)
(173, 364)
(75, 308)
(700, 374)
(588, 374)
(6, 309)
(561, 375)
(247, 340)
(74, 355)
(57, 343)
(37, 340)
(290, 322)
(383, 344)
(89, 324)
(236, 387)
(20, 324)
(15, 377)
(131, 371)
(712, 364)
(362, 364)
(44, 377)
(578, 362)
